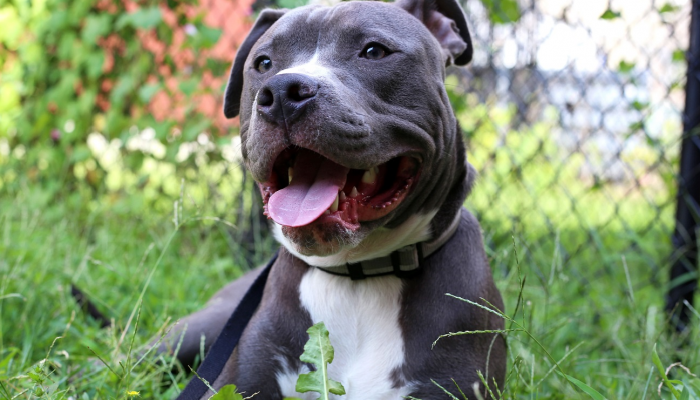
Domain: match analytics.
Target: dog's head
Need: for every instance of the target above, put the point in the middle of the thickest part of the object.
(345, 122)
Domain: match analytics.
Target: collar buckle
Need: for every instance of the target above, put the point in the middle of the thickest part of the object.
(403, 263)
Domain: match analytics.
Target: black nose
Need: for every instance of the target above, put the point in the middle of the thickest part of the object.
(285, 97)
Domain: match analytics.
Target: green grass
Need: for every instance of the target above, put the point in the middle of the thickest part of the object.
(110, 252)
(599, 323)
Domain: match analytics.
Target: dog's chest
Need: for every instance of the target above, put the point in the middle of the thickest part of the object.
(363, 320)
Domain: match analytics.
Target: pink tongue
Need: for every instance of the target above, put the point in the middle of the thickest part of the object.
(313, 189)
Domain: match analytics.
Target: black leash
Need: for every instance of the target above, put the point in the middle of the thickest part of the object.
(222, 348)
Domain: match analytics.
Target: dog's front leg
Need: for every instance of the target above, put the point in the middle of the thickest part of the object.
(267, 355)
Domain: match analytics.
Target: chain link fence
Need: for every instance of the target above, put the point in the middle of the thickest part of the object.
(583, 104)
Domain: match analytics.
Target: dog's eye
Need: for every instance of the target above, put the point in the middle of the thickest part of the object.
(263, 64)
(374, 51)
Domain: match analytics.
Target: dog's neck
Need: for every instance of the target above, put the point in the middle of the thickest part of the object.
(379, 243)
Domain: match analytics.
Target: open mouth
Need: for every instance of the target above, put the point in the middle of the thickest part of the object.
(305, 187)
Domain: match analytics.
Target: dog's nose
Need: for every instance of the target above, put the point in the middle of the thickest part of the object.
(284, 97)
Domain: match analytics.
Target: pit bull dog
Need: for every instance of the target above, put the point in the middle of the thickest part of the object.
(346, 126)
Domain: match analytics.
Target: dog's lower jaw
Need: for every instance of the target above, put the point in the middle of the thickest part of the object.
(316, 239)
(378, 243)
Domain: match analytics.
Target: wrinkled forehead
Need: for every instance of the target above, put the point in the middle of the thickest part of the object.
(311, 29)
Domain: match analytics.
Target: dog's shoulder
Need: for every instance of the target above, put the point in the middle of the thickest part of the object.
(463, 255)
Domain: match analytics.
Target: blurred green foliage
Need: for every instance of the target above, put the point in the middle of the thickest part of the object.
(502, 11)
(71, 68)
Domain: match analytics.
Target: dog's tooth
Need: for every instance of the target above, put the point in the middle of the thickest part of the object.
(341, 195)
(334, 206)
(353, 192)
(369, 176)
(290, 172)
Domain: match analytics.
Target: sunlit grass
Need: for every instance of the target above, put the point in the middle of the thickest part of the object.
(599, 325)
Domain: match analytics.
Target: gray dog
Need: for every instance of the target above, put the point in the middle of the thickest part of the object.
(347, 128)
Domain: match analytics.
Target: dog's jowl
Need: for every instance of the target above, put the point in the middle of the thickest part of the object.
(347, 128)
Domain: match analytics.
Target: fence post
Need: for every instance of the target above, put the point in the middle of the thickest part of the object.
(685, 256)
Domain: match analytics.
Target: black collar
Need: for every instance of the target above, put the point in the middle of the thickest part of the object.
(403, 262)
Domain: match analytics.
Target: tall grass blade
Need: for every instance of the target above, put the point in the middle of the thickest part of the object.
(104, 362)
(587, 389)
(486, 384)
(453, 397)
(659, 366)
(450, 334)
(646, 386)
(464, 396)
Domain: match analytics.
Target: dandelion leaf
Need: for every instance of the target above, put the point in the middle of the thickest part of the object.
(227, 392)
(319, 352)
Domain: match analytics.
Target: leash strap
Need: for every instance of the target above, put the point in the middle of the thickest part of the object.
(224, 345)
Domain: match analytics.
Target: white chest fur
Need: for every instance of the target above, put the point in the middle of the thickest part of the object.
(363, 320)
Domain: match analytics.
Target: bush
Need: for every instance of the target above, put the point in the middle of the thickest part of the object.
(119, 68)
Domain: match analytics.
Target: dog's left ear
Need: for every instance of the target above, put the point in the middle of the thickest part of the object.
(445, 20)
(234, 88)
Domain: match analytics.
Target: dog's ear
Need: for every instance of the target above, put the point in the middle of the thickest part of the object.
(232, 98)
(445, 20)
